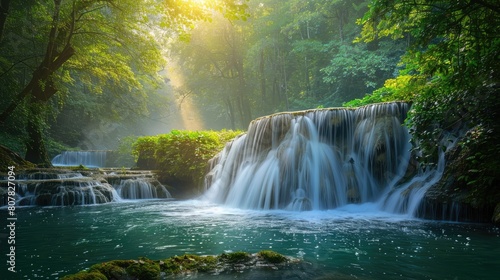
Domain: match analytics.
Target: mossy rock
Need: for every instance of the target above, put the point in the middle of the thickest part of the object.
(235, 257)
(145, 269)
(188, 263)
(272, 257)
(10, 158)
(142, 269)
(112, 269)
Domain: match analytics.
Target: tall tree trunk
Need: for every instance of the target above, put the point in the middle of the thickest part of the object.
(35, 146)
(41, 85)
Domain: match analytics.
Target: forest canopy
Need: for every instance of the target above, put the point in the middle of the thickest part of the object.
(86, 62)
(69, 66)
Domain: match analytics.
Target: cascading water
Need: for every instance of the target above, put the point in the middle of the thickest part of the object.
(63, 192)
(317, 159)
(141, 189)
(86, 158)
(63, 187)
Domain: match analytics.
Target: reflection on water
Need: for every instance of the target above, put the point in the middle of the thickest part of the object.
(353, 242)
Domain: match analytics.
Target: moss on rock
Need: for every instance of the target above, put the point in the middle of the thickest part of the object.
(146, 269)
(10, 158)
(235, 257)
(272, 257)
(188, 263)
(112, 269)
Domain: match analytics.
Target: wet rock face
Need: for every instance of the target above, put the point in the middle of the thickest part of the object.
(66, 192)
(62, 187)
(453, 199)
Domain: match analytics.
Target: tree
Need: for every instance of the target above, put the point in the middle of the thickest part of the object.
(451, 74)
(4, 11)
(98, 43)
(213, 62)
(452, 59)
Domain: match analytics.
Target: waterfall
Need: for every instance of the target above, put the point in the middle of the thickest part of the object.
(317, 159)
(141, 189)
(86, 158)
(64, 192)
(58, 187)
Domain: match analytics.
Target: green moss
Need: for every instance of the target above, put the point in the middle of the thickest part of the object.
(179, 264)
(235, 257)
(84, 275)
(144, 269)
(112, 270)
(10, 158)
(272, 257)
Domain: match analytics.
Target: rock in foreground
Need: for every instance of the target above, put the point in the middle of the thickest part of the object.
(146, 269)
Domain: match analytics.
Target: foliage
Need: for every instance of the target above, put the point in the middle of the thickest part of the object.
(181, 154)
(124, 152)
(287, 55)
(48, 47)
(213, 61)
(144, 149)
(450, 74)
(401, 88)
(480, 165)
(98, 60)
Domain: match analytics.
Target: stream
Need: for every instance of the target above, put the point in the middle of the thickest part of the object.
(351, 242)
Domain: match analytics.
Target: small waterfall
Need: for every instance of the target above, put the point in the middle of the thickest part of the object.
(64, 192)
(318, 159)
(64, 188)
(141, 189)
(85, 158)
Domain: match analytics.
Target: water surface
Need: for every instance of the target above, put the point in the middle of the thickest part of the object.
(352, 242)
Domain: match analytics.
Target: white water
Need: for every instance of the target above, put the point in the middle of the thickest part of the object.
(349, 242)
(141, 189)
(75, 158)
(321, 159)
(75, 189)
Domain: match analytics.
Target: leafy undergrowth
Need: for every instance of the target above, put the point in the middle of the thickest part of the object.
(146, 269)
(181, 153)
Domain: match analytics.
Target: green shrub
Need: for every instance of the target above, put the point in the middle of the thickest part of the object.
(143, 151)
(181, 154)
